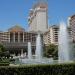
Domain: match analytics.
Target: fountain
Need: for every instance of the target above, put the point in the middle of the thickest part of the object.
(39, 59)
(21, 52)
(63, 44)
(39, 46)
(29, 51)
(63, 49)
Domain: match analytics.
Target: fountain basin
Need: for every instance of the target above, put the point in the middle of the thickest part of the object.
(36, 61)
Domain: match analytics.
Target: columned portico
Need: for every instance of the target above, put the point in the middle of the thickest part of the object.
(18, 41)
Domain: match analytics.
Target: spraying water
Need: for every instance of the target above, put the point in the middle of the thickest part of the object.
(39, 47)
(38, 53)
(21, 52)
(29, 51)
(63, 40)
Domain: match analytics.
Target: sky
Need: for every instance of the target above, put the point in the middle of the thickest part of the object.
(14, 12)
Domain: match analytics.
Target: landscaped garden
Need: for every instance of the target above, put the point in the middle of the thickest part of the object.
(31, 69)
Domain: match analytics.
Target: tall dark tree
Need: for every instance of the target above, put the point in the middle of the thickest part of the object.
(51, 51)
(3, 52)
(2, 48)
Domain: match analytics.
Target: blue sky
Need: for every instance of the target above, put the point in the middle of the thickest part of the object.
(14, 12)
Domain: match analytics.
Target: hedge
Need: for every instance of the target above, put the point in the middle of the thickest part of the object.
(56, 69)
(4, 64)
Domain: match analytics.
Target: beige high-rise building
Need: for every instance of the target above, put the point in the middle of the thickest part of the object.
(72, 26)
(38, 17)
(51, 36)
(4, 36)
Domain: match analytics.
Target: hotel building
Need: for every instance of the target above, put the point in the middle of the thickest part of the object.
(16, 39)
(72, 26)
(51, 36)
(38, 17)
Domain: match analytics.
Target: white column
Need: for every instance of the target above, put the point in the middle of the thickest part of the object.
(23, 36)
(18, 36)
(14, 37)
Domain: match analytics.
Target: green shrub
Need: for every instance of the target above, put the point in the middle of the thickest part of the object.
(4, 60)
(56, 69)
(4, 64)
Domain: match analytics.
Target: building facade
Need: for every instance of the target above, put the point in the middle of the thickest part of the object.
(16, 39)
(51, 36)
(72, 26)
(38, 17)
